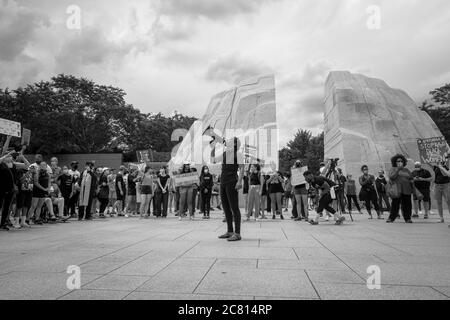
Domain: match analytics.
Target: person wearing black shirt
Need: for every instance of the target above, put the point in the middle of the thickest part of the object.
(340, 180)
(442, 186)
(422, 182)
(162, 193)
(206, 186)
(323, 185)
(368, 193)
(380, 185)
(230, 184)
(65, 183)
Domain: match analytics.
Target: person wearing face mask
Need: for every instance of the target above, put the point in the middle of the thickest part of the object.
(56, 170)
(403, 178)
(206, 186)
(380, 184)
(442, 185)
(41, 190)
(88, 187)
(368, 192)
(422, 182)
(162, 193)
(75, 195)
(66, 184)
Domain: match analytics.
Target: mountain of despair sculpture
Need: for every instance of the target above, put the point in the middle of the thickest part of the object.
(367, 122)
(247, 111)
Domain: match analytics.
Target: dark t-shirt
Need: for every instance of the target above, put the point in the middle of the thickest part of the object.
(163, 180)
(229, 170)
(318, 182)
(65, 184)
(7, 179)
(440, 178)
(422, 173)
(119, 180)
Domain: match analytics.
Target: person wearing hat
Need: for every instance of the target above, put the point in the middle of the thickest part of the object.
(422, 182)
(88, 187)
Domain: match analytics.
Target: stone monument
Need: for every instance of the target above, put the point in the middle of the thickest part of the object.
(247, 111)
(367, 122)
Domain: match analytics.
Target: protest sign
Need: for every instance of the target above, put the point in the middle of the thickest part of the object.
(433, 150)
(10, 128)
(297, 176)
(186, 179)
(26, 137)
(143, 155)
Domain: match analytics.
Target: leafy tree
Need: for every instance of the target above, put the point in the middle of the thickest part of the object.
(304, 146)
(439, 110)
(76, 115)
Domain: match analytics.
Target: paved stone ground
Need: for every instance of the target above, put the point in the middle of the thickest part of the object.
(167, 259)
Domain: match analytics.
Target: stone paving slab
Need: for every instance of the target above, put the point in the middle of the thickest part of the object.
(167, 259)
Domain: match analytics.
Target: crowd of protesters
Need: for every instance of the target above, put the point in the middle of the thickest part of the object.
(37, 193)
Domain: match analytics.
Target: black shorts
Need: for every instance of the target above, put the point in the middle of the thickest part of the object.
(24, 199)
(426, 195)
(146, 189)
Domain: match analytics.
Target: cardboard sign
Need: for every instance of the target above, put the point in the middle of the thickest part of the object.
(143, 156)
(10, 128)
(297, 176)
(432, 151)
(26, 137)
(186, 179)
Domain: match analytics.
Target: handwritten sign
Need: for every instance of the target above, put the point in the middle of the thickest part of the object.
(143, 156)
(186, 179)
(297, 176)
(432, 151)
(26, 137)
(10, 128)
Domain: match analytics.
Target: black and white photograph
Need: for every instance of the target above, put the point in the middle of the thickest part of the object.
(223, 155)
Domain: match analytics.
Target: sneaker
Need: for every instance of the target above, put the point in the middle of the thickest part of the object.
(425, 217)
(314, 223)
(442, 220)
(204, 217)
(415, 216)
(327, 218)
(4, 227)
(298, 219)
(281, 216)
(409, 221)
(340, 221)
(224, 220)
(25, 225)
(234, 237)
(17, 226)
(389, 221)
(226, 235)
(273, 217)
(127, 216)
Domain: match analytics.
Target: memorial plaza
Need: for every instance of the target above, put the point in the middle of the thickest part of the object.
(167, 259)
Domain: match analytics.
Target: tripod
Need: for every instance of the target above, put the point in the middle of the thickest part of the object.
(340, 199)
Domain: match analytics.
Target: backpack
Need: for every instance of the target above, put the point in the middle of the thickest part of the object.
(392, 190)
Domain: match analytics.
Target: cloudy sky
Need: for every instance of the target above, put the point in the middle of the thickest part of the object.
(175, 54)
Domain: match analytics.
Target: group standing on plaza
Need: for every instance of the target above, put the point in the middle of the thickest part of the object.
(37, 193)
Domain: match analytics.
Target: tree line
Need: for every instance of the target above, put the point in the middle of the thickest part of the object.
(75, 115)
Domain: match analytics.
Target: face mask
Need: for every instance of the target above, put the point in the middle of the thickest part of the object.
(65, 171)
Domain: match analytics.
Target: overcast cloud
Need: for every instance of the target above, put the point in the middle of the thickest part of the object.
(175, 54)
